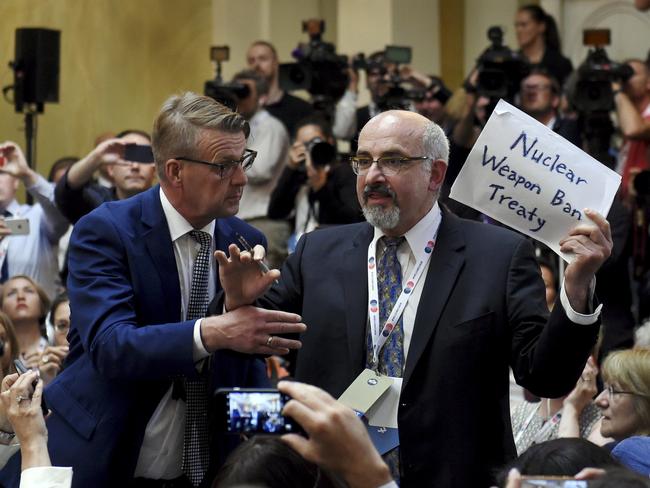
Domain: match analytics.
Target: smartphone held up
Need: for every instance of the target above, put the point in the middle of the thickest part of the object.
(253, 411)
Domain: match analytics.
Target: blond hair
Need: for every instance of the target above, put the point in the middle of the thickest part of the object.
(182, 117)
(629, 370)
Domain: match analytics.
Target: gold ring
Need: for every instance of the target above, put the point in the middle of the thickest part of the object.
(45, 358)
(269, 340)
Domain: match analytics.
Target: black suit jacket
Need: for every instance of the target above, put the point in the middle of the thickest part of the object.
(482, 309)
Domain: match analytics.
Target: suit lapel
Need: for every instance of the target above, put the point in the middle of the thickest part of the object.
(445, 265)
(355, 286)
(158, 241)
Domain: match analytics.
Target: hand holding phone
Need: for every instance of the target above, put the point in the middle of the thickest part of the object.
(21, 369)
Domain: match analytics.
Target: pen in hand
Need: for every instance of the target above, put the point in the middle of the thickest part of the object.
(247, 247)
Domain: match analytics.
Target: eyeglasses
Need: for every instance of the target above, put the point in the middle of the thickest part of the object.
(227, 168)
(389, 165)
(611, 392)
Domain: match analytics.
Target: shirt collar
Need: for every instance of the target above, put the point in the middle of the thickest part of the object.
(177, 224)
(424, 230)
(14, 208)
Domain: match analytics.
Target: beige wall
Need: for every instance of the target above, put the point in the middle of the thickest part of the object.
(479, 16)
(119, 60)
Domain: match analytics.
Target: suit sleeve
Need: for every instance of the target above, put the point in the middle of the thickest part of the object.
(103, 300)
(547, 356)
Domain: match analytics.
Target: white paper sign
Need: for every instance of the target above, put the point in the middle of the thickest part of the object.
(526, 176)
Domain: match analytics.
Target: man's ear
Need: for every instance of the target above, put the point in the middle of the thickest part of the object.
(174, 172)
(438, 171)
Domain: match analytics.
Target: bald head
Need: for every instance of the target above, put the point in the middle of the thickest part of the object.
(412, 132)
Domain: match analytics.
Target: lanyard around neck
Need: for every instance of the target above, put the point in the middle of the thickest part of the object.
(423, 254)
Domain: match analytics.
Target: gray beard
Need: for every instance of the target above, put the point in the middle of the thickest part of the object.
(383, 218)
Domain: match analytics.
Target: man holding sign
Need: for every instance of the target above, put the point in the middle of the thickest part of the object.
(417, 314)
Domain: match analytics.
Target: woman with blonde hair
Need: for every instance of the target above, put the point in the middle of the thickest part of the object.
(625, 401)
(625, 404)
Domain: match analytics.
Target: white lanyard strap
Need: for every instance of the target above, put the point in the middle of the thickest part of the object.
(380, 336)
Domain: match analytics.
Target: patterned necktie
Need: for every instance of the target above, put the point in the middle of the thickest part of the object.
(196, 455)
(389, 288)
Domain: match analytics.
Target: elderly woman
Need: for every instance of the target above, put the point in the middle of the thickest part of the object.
(625, 404)
(625, 401)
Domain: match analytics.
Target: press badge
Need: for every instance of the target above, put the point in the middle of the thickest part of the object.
(365, 390)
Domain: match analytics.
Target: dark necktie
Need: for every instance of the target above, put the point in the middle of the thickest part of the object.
(196, 455)
(389, 288)
(4, 270)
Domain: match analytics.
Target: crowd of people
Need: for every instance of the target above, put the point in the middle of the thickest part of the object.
(418, 341)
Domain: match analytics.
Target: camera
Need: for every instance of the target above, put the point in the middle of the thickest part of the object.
(226, 93)
(593, 90)
(500, 70)
(318, 69)
(253, 411)
(398, 94)
(322, 152)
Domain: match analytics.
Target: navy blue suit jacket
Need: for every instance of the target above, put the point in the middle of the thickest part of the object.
(126, 339)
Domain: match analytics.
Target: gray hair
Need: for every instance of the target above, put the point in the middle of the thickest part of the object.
(177, 127)
(435, 143)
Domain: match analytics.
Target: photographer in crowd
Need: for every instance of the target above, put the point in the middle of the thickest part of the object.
(539, 41)
(632, 100)
(33, 253)
(77, 194)
(270, 140)
(349, 119)
(315, 184)
(263, 58)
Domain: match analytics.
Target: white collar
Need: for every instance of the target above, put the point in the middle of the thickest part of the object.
(177, 224)
(420, 232)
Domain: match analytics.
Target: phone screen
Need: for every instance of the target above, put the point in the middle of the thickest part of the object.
(258, 412)
(553, 483)
(138, 153)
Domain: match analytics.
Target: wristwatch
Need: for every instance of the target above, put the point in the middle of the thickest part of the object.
(6, 438)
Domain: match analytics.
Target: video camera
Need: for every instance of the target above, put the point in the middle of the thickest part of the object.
(593, 90)
(318, 69)
(228, 94)
(399, 93)
(500, 69)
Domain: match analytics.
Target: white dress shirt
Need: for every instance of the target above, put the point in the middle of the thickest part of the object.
(421, 232)
(271, 141)
(162, 447)
(46, 477)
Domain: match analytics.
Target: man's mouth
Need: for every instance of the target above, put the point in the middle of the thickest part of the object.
(378, 193)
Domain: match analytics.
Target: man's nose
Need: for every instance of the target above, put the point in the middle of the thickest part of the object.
(239, 177)
(374, 173)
